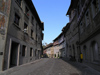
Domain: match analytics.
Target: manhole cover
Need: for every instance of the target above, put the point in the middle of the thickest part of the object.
(74, 74)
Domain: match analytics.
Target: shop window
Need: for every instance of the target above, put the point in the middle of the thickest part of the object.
(16, 19)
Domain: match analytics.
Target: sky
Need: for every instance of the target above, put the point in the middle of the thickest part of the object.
(53, 14)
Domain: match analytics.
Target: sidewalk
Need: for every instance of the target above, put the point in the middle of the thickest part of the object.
(85, 67)
(93, 65)
(17, 68)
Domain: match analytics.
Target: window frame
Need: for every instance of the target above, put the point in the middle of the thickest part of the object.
(25, 28)
(17, 18)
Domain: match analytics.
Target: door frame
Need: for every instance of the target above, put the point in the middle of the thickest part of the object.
(9, 54)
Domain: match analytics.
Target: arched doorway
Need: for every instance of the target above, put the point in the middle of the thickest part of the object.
(95, 51)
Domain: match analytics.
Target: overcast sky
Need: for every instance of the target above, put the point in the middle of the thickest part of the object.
(53, 14)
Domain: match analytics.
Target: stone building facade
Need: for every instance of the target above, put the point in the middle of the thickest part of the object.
(84, 30)
(22, 42)
(71, 32)
(89, 30)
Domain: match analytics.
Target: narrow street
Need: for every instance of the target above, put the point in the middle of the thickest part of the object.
(47, 66)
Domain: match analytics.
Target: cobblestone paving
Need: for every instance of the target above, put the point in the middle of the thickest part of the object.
(48, 66)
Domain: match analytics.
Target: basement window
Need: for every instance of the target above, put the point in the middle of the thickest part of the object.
(16, 19)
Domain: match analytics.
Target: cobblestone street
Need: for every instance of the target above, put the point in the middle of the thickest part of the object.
(48, 66)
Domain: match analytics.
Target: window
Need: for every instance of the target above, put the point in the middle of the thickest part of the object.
(25, 28)
(26, 11)
(19, 1)
(16, 19)
(32, 20)
(87, 18)
(31, 52)
(31, 33)
(81, 28)
(78, 10)
(82, 2)
(95, 4)
(35, 52)
(23, 50)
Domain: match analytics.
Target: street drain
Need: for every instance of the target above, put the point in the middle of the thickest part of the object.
(74, 74)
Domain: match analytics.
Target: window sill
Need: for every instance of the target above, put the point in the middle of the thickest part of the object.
(16, 26)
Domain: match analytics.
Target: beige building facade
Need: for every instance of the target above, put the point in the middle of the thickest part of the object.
(49, 51)
(59, 46)
(23, 41)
